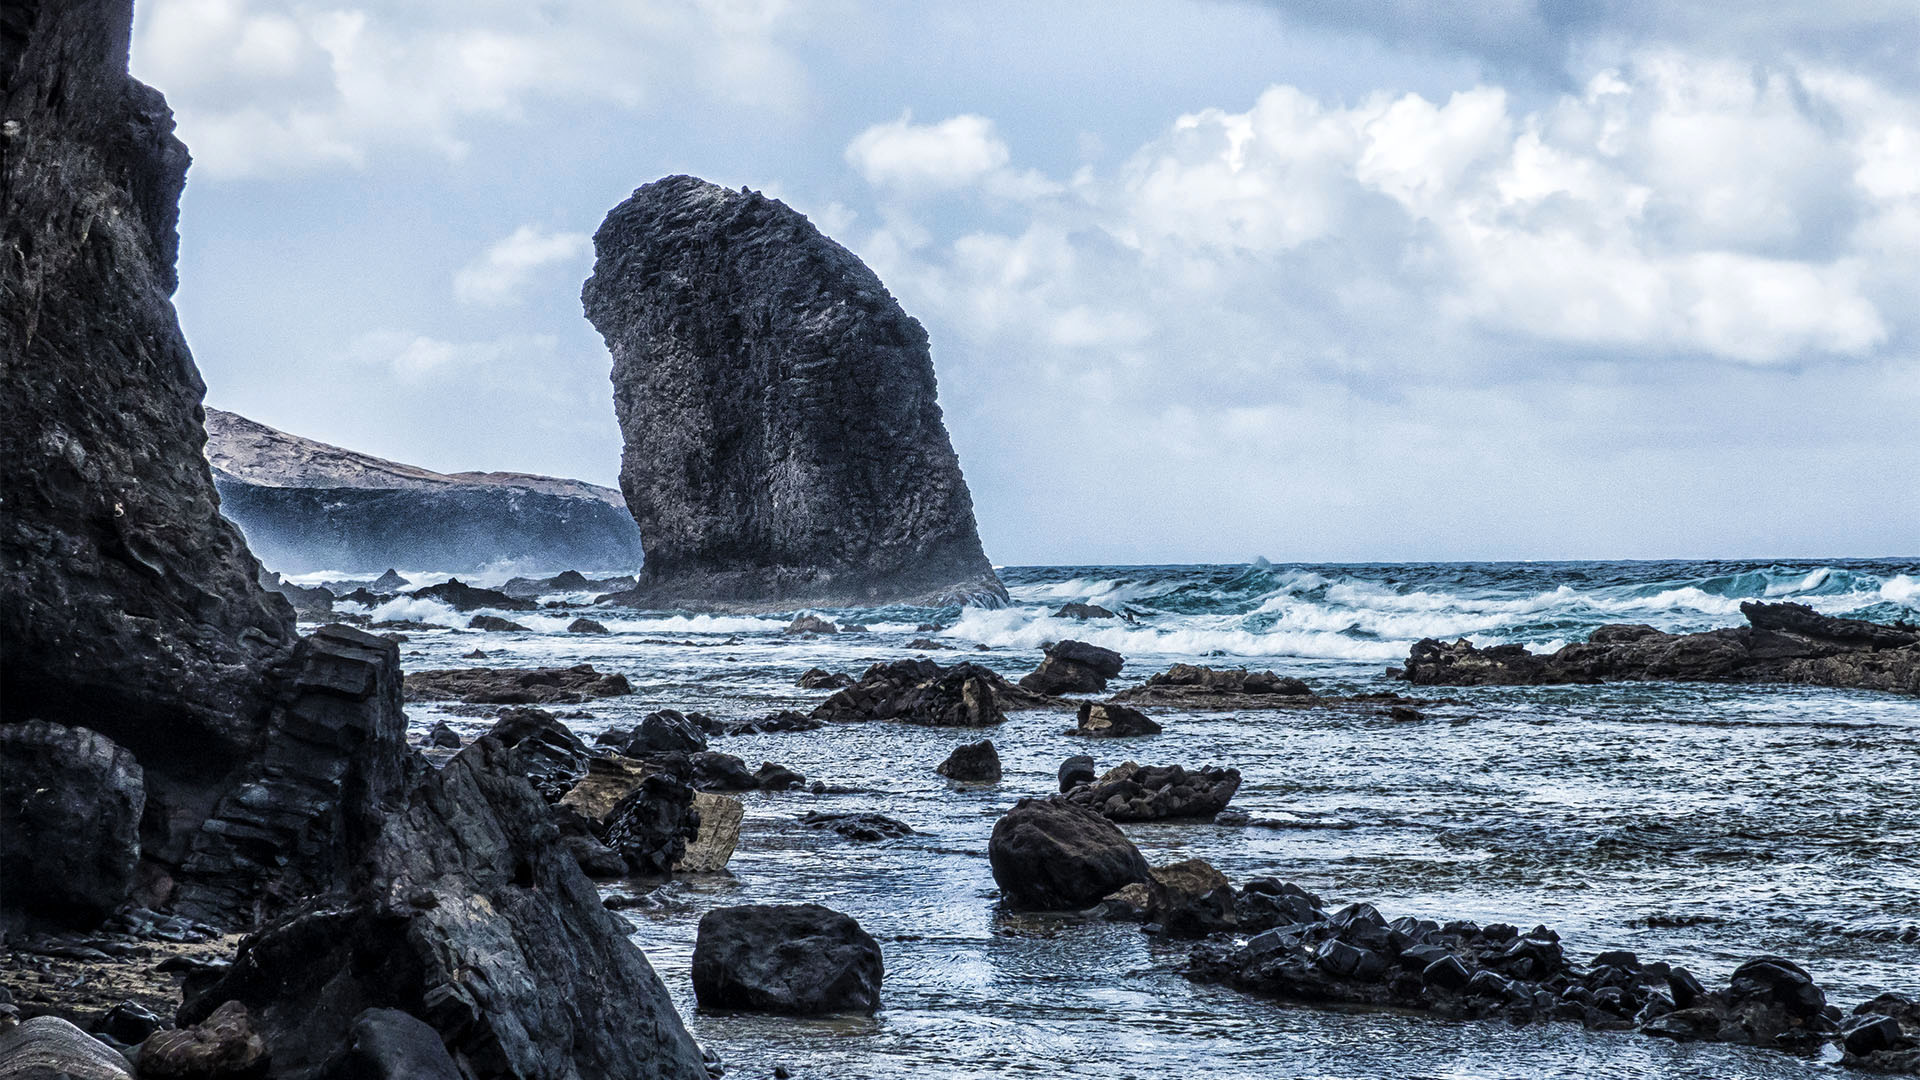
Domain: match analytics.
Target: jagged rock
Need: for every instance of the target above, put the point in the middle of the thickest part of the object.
(587, 626)
(651, 825)
(1883, 1035)
(516, 686)
(70, 805)
(1782, 643)
(49, 1048)
(822, 679)
(1190, 686)
(128, 605)
(798, 959)
(667, 731)
(1075, 771)
(977, 763)
(551, 757)
(926, 645)
(571, 581)
(389, 581)
(719, 832)
(306, 506)
(472, 915)
(1083, 612)
(923, 692)
(782, 437)
(811, 624)
(1052, 855)
(224, 1046)
(866, 828)
(608, 779)
(308, 603)
(1157, 792)
(1107, 720)
(1073, 667)
(494, 622)
(460, 596)
(387, 1044)
(1190, 899)
(443, 737)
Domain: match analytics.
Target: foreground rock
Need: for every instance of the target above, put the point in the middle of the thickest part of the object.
(728, 314)
(70, 805)
(1157, 792)
(1191, 686)
(797, 959)
(49, 1048)
(1054, 855)
(921, 691)
(516, 686)
(1883, 1035)
(307, 506)
(1781, 643)
(1108, 720)
(1073, 667)
(224, 1046)
(972, 763)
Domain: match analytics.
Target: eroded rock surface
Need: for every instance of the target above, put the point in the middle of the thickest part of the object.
(783, 441)
(794, 959)
(1132, 792)
(1073, 667)
(70, 805)
(922, 692)
(516, 686)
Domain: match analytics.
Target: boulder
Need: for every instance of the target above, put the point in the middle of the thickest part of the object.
(822, 679)
(49, 1048)
(922, 692)
(771, 777)
(1107, 720)
(224, 1046)
(544, 750)
(811, 624)
(387, 1044)
(1131, 792)
(494, 623)
(719, 832)
(1083, 612)
(608, 779)
(460, 596)
(1073, 667)
(1051, 855)
(1190, 899)
(783, 441)
(866, 828)
(516, 686)
(651, 825)
(587, 626)
(799, 959)
(443, 736)
(667, 731)
(977, 763)
(1075, 771)
(70, 805)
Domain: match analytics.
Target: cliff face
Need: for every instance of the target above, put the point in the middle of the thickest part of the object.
(306, 506)
(783, 442)
(128, 605)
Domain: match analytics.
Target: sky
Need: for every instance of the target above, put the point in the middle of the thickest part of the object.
(1205, 280)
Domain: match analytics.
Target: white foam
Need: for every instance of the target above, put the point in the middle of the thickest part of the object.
(416, 609)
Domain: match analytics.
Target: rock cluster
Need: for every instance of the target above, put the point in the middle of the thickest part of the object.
(516, 686)
(1781, 643)
(1131, 792)
(920, 691)
(1073, 667)
(782, 437)
(566, 581)
(795, 959)
(1191, 686)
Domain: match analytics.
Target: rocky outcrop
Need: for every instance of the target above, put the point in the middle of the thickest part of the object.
(70, 805)
(461, 596)
(1131, 792)
(1782, 643)
(566, 581)
(128, 605)
(1108, 720)
(797, 959)
(1073, 667)
(783, 442)
(1053, 855)
(1191, 686)
(972, 763)
(920, 691)
(308, 506)
(516, 686)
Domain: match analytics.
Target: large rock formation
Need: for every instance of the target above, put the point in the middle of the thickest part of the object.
(128, 605)
(308, 506)
(783, 443)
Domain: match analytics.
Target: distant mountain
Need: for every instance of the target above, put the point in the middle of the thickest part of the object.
(307, 506)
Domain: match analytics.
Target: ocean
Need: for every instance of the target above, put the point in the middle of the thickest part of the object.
(1696, 823)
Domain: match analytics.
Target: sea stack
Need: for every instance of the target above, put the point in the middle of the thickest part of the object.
(783, 441)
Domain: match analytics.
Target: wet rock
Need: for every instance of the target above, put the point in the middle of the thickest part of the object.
(460, 596)
(387, 1044)
(800, 959)
(1111, 721)
(1131, 792)
(608, 779)
(651, 825)
(771, 777)
(926, 645)
(1781, 643)
(865, 828)
(1075, 771)
(549, 755)
(224, 1046)
(1883, 1035)
(129, 1023)
(569, 581)
(586, 626)
(1053, 855)
(667, 731)
(494, 623)
(977, 763)
(782, 337)
(70, 806)
(1190, 686)
(49, 1048)
(1073, 667)
(1769, 1001)
(1265, 903)
(785, 720)
(719, 832)
(443, 737)
(1081, 611)
(1190, 899)
(477, 654)
(923, 692)
(811, 624)
(822, 679)
(515, 686)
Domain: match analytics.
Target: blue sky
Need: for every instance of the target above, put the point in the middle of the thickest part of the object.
(1204, 280)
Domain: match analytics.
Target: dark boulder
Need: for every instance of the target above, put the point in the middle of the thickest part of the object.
(811, 624)
(587, 626)
(1052, 855)
(667, 731)
(516, 686)
(1077, 610)
(1190, 899)
(494, 623)
(976, 763)
(545, 751)
(799, 959)
(783, 441)
(1157, 792)
(387, 1044)
(443, 737)
(1075, 771)
(70, 805)
(866, 828)
(460, 596)
(1073, 667)
(651, 825)
(1107, 720)
(822, 679)
(921, 692)
(772, 777)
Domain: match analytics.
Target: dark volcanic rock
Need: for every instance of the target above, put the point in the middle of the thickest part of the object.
(667, 731)
(1190, 686)
(782, 437)
(977, 763)
(461, 596)
(306, 506)
(128, 605)
(866, 828)
(572, 581)
(1083, 612)
(920, 691)
(494, 623)
(1052, 855)
(794, 959)
(515, 686)
(651, 825)
(1782, 643)
(70, 805)
(470, 917)
(1190, 899)
(1075, 771)
(586, 626)
(551, 757)
(1107, 720)
(822, 679)
(387, 1044)
(1156, 792)
(1073, 667)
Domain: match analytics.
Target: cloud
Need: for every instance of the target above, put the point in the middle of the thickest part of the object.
(499, 275)
(955, 152)
(419, 359)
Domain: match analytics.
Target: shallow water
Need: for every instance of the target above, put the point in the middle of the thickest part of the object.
(1758, 819)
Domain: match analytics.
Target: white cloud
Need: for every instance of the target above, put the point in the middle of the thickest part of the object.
(420, 359)
(499, 274)
(955, 152)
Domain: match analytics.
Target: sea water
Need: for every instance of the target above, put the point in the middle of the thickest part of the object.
(1695, 823)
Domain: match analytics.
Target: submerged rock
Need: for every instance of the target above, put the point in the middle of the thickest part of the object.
(1083, 612)
(866, 828)
(515, 686)
(782, 437)
(976, 763)
(797, 959)
(494, 623)
(1073, 667)
(1053, 855)
(811, 624)
(70, 806)
(587, 626)
(1131, 792)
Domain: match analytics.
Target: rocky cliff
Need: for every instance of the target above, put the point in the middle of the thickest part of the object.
(783, 441)
(128, 605)
(307, 506)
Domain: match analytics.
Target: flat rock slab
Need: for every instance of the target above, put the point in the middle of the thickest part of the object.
(516, 686)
